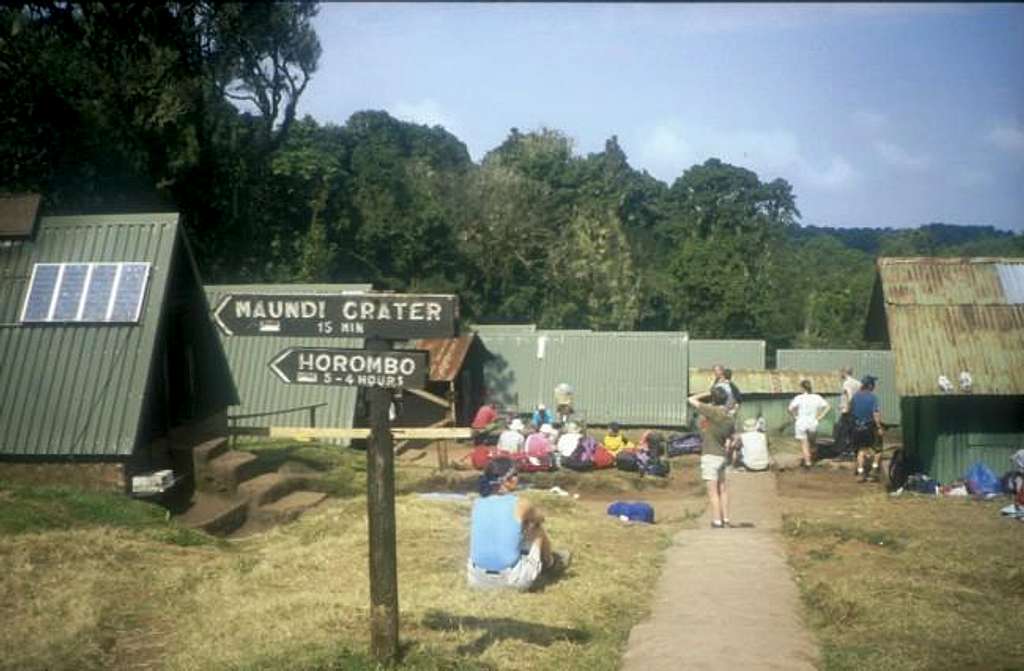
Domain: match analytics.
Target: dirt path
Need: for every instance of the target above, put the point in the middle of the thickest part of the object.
(726, 598)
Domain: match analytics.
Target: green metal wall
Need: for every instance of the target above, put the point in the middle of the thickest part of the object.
(78, 389)
(730, 353)
(945, 435)
(879, 363)
(775, 410)
(639, 379)
(259, 390)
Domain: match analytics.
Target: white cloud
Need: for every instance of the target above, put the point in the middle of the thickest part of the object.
(1006, 137)
(839, 174)
(898, 157)
(670, 148)
(427, 111)
(869, 120)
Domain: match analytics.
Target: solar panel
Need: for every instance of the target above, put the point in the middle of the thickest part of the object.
(86, 293)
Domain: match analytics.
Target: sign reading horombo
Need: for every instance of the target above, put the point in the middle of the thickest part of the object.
(388, 316)
(351, 367)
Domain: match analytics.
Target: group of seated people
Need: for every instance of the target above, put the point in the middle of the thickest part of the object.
(543, 435)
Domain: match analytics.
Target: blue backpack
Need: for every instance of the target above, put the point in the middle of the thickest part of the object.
(637, 511)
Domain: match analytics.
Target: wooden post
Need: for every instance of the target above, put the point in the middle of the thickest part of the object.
(380, 508)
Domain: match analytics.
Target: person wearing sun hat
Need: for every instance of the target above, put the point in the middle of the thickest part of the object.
(511, 439)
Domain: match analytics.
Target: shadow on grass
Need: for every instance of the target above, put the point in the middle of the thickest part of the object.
(495, 629)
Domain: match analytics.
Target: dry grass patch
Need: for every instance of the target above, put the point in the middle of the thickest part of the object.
(100, 596)
(905, 583)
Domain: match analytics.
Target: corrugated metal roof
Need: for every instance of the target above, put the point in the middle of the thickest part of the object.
(946, 316)
(772, 382)
(18, 214)
(733, 354)
(79, 389)
(259, 390)
(630, 377)
(1011, 276)
(879, 363)
(446, 355)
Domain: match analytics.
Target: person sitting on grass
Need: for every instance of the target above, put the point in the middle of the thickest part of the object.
(511, 439)
(508, 546)
(716, 426)
(614, 441)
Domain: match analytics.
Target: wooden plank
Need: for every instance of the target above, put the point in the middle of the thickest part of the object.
(433, 398)
(404, 433)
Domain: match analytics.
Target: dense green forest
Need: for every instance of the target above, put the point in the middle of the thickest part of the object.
(191, 106)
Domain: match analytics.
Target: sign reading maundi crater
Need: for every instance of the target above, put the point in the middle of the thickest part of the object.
(387, 316)
(331, 366)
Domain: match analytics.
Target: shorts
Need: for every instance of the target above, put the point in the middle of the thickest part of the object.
(712, 467)
(865, 437)
(520, 577)
(806, 429)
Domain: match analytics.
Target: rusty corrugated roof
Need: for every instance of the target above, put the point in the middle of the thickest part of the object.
(18, 213)
(945, 316)
(446, 355)
(759, 381)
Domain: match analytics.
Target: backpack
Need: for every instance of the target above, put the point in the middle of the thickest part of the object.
(579, 460)
(603, 458)
(626, 461)
(532, 463)
(684, 443)
(657, 468)
(480, 457)
(899, 470)
(638, 511)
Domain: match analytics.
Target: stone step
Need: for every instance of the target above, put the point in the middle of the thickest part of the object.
(205, 452)
(215, 514)
(269, 487)
(286, 508)
(230, 469)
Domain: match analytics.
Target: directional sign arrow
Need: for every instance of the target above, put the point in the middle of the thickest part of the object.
(362, 315)
(330, 366)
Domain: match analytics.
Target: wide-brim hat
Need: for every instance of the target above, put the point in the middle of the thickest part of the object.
(572, 427)
(750, 425)
(516, 424)
(547, 429)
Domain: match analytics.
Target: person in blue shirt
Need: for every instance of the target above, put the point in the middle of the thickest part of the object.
(542, 416)
(508, 546)
(867, 428)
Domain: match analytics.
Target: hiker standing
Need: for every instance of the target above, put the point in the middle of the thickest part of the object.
(844, 425)
(716, 426)
(807, 409)
(867, 428)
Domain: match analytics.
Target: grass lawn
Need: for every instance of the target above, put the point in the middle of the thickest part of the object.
(908, 583)
(96, 581)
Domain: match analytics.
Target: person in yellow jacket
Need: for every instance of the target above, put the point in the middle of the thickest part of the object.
(614, 441)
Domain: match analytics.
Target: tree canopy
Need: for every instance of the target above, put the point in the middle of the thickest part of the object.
(192, 106)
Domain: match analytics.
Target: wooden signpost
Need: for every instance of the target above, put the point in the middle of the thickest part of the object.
(380, 318)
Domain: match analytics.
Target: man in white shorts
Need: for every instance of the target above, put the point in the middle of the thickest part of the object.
(807, 410)
(716, 426)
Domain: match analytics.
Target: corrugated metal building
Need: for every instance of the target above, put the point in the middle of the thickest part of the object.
(879, 363)
(634, 378)
(767, 393)
(81, 385)
(259, 390)
(944, 317)
(734, 354)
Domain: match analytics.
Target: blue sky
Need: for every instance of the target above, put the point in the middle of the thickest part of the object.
(879, 115)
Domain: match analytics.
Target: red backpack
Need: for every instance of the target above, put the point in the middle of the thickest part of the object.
(480, 457)
(603, 458)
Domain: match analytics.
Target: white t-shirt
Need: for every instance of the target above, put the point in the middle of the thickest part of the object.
(851, 386)
(567, 443)
(807, 407)
(511, 441)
